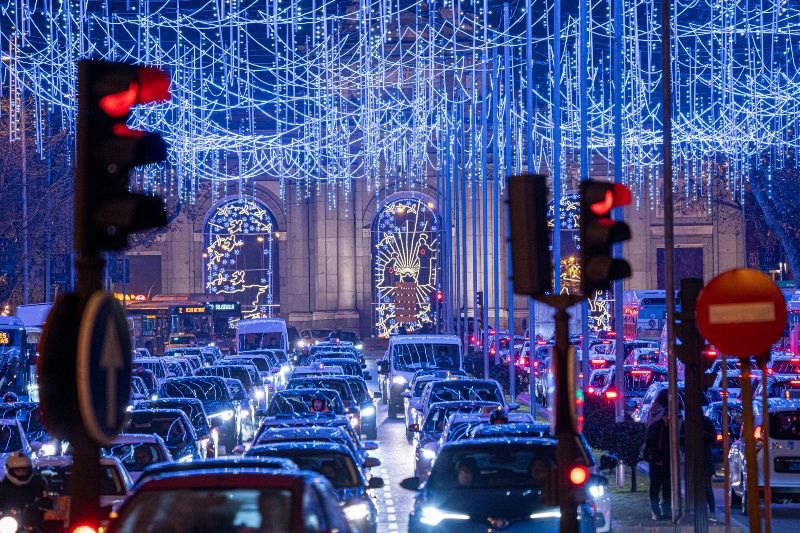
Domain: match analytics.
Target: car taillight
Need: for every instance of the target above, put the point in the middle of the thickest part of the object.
(719, 437)
(758, 433)
(611, 394)
(590, 390)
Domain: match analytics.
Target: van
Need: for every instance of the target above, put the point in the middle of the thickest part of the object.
(408, 353)
(261, 333)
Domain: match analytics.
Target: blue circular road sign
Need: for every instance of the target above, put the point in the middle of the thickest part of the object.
(103, 367)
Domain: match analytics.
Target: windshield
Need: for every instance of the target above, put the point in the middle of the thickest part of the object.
(359, 389)
(237, 390)
(256, 341)
(494, 466)
(10, 438)
(337, 467)
(439, 415)
(412, 357)
(320, 332)
(299, 404)
(339, 385)
(420, 385)
(169, 428)
(136, 456)
(203, 390)
(784, 425)
(785, 389)
(348, 336)
(786, 367)
(350, 368)
(228, 372)
(452, 391)
(262, 510)
(260, 363)
(156, 368)
(57, 480)
(640, 380)
(194, 413)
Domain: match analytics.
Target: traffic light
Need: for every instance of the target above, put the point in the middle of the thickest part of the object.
(439, 296)
(479, 299)
(599, 232)
(106, 212)
(530, 235)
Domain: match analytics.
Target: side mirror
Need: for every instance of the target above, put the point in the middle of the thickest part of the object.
(375, 483)
(513, 406)
(608, 462)
(239, 449)
(371, 462)
(370, 445)
(377, 395)
(406, 394)
(413, 427)
(367, 376)
(411, 483)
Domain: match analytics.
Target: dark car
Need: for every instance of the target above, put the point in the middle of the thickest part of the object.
(336, 383)
(338, 464)
(341, 434)
(29, 415)
(366, 406)
(298, 403)
(193, 409)
(637, 381)
(149, 379)
(433, 425)
(173, 426)
(785, 387)
(350, 367)
(232, 499)
(504, 484)
(247, 374)
(222, 411)
(714, 412)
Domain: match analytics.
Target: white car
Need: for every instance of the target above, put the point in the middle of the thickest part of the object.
(114, 479)
(137, 451)
(784, 454)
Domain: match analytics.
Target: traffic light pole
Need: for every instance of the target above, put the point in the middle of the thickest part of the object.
(565, 428)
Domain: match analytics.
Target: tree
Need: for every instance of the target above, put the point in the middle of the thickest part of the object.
(775, 191)
(627, 444)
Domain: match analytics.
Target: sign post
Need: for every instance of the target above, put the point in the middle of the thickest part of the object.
(743, 312)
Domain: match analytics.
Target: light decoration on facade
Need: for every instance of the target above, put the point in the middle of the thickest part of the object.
(405, 257)
(311, 92)
(601, 315)
(239, 255)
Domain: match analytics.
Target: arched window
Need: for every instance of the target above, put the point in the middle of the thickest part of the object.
(405, 268)
(241, 258)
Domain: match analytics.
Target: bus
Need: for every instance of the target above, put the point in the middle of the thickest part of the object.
(17, 359)
(210, 319)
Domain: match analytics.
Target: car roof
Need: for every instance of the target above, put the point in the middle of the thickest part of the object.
(482, 443)
(420, 338)
(162, 412)
(310, 445)
(230, 477)
(288, 432)
(135, 438)
(66, 460)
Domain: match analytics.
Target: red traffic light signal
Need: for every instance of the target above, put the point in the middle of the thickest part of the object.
(599, 232)
(578, 475)
(106, 212)
(439, 296)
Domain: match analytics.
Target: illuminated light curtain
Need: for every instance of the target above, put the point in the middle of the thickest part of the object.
(241, 256)
(405, 265)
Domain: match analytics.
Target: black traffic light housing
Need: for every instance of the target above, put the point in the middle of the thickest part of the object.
(530, 235)
(599, 232)
(106, 212)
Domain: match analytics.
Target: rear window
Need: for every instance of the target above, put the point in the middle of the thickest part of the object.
(786, 367)
(784, 425)
(640, 380)
(453, 391)
(785, 389)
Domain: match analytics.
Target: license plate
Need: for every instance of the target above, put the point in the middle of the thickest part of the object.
(787, 465)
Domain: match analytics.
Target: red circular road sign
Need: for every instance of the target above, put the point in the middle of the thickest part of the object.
(741, 312)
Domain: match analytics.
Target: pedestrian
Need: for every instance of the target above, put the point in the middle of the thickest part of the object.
(657, 454)
(709, 438)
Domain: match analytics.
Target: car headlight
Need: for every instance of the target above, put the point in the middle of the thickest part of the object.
(356, 512)
(546, 514)
(428, 454)
(596, 491)
(259, 394)
(48, 449)
(399, 380)
(431, 516)
(224, 415)
(154, 397)
(367, 411)
(245, 412)
(359, 346)
(302, 344)
(8, 524)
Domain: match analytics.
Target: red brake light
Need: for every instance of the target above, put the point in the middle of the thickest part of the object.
(640, 372)
(719, 436)
(83, 528)
(794, 360)
(758, 433)
(578, 475)
(590, 390)
(611, 394)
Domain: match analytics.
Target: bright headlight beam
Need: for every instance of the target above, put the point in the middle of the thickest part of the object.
(431, 516)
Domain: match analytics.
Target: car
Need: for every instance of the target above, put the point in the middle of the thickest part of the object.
(249, 377)
(114, 479)
(368, 412)
(196, 414)
(714, 413)
(348, 336)
(463, 389)
(784, 474)
(412, 405)
(312, 337)
(338, 464)
(779, 386)
(271, 375)
(643, 356)
(340, 385)
(462, 425)
(350, 367)
(244, 404)
(734, 382)
(317, 434)
(180, 340)
(232, 499)
(433, 426)
(151, 383)
(209, 355)
(222, 411)
(137, 451)
(29, 415)
(14, 439)
(230, 462)
(784, 365)
(732, 364)
(637, 380)
(177, 366)
(156, 365)
(657, 395)
(408, 353)
(173, 426)
(491, 484)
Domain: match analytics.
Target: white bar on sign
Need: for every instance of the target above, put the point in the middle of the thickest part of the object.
(739, 313)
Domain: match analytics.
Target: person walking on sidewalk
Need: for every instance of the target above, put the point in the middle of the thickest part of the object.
(657, 455)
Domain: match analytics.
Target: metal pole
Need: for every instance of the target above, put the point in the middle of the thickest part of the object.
(751, 495)
(463, 185)
(512, 362)
(496, 170)
(529, 160)
(765, 462)
(485, 212)
(26, 257)
(557, 178)
(583, 73)
(532, 355)
(726, 471)
(669, 246)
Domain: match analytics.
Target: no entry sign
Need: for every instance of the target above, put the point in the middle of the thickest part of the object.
(741, 312)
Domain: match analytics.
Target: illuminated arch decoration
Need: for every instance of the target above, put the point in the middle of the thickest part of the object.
(241, 257)
(405, 265)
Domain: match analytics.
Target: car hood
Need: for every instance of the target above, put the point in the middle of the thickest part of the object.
(213, 407)
(483, 503)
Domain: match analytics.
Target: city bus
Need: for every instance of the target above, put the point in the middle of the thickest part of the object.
(17, 359)
(211, 322)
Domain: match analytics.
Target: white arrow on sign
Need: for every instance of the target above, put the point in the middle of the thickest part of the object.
(111, 360)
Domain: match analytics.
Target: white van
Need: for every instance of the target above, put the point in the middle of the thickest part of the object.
(261, 333)
(409, 353)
